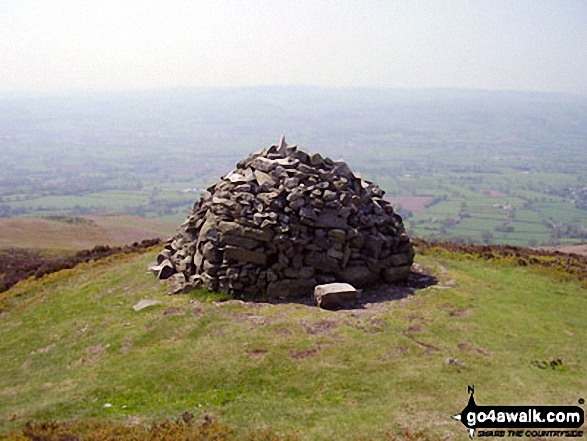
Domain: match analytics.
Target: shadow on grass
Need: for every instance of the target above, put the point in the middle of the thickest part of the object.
(389, 292)
(379, 293)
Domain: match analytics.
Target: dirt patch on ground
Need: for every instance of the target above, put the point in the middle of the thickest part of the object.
(321, 327)
(460, 312)
(466, 346)
(298, 355)
(428, 348)
(283, 331)
(257, 352)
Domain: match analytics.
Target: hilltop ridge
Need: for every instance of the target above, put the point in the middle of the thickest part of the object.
(74, 348)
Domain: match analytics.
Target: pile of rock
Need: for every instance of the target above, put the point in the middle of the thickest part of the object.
(283, 222)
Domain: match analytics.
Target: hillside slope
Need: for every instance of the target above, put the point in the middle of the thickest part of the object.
(68, 233)
(73, 347)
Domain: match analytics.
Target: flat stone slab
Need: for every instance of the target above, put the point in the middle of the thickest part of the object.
(145, 304)
(335, 295)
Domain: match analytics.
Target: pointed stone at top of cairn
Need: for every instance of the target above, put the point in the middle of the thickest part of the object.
(282, 145)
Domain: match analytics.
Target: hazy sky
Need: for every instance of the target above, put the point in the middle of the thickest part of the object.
(48, 45)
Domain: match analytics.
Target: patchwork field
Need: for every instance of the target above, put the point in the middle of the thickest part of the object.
(501, 159)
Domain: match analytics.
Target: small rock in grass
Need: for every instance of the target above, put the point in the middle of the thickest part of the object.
(145, 304)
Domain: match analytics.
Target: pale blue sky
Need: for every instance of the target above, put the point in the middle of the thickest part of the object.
(52, 45)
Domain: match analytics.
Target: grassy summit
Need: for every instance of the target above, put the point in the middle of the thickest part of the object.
(72, 344)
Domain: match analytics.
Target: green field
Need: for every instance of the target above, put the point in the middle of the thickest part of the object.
(72, 347)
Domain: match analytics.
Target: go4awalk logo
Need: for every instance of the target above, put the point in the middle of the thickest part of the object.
(519, 421)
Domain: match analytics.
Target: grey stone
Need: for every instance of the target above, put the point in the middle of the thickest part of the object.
(397, 274)
(185, 263)
(282, 145)
(165, 254)
(290, 288)
(208, 230)
(335, 295)
(239, 241)
(211, 253)
(271, 276)
(287, 162)
(297, 204)
(244, 255)
(264, 179)
(337, 234)
(399, 259)
(330, 220)
(223, 201)
(257, 234)
(315, 159)
(267, 198)
(164, 270)
(335, 254)
(323, 279)
(211, 268)
(177, 284)
(267, 223)
(308, 214)
(236, 178)
(263, 164)
(329, 195)
(321, 261)
(291, 183)
(198, 259)
(360, 276)
(306, 272)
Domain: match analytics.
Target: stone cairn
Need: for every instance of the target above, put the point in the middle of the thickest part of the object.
(283, 222)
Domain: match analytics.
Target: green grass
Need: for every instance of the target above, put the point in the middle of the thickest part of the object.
(71, 343)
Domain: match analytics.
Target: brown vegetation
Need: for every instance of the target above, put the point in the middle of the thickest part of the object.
(570, 263)
(184, 428)
(19, 264)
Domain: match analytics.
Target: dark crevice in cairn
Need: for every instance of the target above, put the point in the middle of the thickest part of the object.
(282, 222)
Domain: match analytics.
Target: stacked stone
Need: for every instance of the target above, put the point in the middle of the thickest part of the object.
(283, 222)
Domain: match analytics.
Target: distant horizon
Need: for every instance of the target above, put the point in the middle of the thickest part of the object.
(61, 93)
